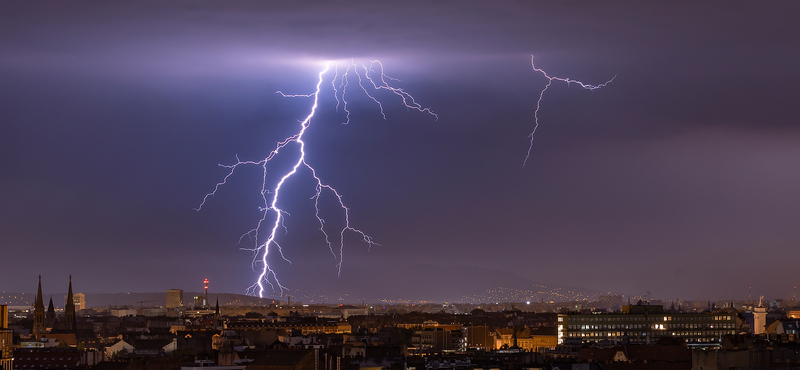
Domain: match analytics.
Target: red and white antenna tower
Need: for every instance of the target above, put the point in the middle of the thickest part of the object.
(205, 286)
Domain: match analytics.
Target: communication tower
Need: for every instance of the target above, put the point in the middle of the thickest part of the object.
(205, 286)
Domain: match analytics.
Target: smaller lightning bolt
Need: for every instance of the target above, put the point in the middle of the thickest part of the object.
(541, 95)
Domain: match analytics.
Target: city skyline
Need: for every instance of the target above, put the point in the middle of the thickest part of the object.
(678, 178)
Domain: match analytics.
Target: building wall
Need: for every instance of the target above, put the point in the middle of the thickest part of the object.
(759, 320)
(79, 300)
(174, 298)
(479, 337)
(720, 359)
(120, 312)
(646, 328)
(120, 346)
(154, 311)
(527, 341)
(305, 328)
(6, 341)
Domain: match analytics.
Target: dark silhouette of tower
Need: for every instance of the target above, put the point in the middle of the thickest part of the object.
(50, 316)
(38, 312)
(216, 316)
(206, 303)
(70, 322)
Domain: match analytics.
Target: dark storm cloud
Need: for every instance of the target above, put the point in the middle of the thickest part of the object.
(115, 114)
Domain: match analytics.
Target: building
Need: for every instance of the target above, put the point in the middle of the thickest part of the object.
(80, 301)
(174, 298)
(70, 320)
(645, 324)
(529, 339)
(6, 341)
(287, 359)
(304, 328)
(50, 316)
(46, 358)
(200, 302)
(38, 312)
(759, 320)
(122, 311)
(786, 326)
(479, 337)
(609, 301)
(347, 311)
(631, 356)
(439, 338)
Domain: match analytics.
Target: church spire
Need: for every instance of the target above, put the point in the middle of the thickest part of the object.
(216, 316)
(38, 312)
(69, 310)
(50, 316)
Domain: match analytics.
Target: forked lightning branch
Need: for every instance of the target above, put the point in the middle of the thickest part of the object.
(342, 79)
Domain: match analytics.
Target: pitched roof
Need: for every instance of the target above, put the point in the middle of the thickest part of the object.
(151, 343)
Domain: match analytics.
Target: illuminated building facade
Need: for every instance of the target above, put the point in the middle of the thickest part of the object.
(174, 298)
(759, 320)
(645, 325)
(529, 339)
(6, 341)
(79, 299)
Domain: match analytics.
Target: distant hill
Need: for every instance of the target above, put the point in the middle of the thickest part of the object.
(106, 300)
(416, 283)
(433, 283)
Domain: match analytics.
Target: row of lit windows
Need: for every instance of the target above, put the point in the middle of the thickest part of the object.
(651, 318)
(646, 340)
(619, 334)
(651, 326)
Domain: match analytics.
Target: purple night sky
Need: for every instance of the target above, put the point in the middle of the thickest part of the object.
(681, 177)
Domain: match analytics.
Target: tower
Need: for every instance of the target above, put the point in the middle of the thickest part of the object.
(205, 301)
(70, 322)
(216, 316)
(50, 316)
(38, 312)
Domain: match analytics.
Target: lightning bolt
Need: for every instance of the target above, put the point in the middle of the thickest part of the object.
(272, 215)
(541, 95)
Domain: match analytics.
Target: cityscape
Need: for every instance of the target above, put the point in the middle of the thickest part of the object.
(399, 185)
(185, 330)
